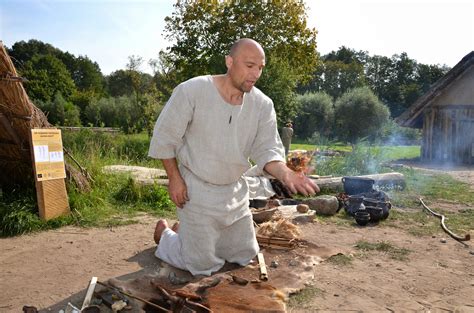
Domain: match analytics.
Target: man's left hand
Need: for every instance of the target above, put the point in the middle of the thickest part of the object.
(296, 182)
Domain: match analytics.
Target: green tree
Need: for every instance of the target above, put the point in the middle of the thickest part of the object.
(203, 31)
(359, 114)
(315, 114)
(85, 73)
(339, 72)
(47, 76)
(22, 51)
(60, 112)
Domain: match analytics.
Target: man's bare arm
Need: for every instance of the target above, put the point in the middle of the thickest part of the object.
(295, 182)
(177, 187)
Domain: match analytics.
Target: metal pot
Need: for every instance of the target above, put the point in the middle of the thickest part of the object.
(354, 185)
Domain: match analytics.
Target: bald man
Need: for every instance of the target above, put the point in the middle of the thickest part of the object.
(213, 125)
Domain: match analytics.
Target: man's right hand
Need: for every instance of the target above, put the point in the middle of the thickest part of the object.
(176, 187)
(178, 191)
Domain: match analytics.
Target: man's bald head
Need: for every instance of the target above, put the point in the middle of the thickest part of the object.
(245, 63)
(244, 43)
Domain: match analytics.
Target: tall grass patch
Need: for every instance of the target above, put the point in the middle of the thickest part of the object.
(113, 200)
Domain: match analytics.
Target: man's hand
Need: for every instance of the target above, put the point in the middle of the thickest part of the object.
(178, 191)
(177, 187)
(294, 181)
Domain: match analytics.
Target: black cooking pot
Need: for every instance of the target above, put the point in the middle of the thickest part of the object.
(354, 185)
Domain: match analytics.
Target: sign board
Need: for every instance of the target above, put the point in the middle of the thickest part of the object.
(49, 169)
(48, 154)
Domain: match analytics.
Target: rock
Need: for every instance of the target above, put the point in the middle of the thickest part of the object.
(443, 240)
(304, 218)
(302, 208)
(323, 205)
(274, 264)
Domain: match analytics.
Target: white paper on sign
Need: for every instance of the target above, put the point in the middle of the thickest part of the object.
(56, 156)
(41, 153)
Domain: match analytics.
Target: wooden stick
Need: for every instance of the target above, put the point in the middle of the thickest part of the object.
(263, 267)
(156, 306)
(466, 237)
(89, 293)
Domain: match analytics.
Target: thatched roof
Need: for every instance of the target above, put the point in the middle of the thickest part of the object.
(17, 116)
(413, 116)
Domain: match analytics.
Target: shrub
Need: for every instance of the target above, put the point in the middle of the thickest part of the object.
(360, 114)
(315, 114)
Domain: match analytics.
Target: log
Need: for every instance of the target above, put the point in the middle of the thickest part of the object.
(385, 180)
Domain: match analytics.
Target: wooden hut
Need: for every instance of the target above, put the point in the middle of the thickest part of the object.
(446, 115)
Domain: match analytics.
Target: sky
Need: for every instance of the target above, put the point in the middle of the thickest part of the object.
(109, 31)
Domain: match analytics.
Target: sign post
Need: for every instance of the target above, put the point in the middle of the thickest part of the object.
(48, 158)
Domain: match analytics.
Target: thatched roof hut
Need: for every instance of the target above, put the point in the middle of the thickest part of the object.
(446, 115)
(18, 115)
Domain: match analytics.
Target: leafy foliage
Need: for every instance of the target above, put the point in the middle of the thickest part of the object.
(203, 31)
(360, 114)
(60, 112)
(47, 76)
(315, 114)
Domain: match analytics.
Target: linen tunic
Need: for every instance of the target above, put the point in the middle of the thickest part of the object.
(213, 141)
(212, 138)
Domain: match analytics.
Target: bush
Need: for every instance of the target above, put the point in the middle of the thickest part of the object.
(315, 114)
(360, 114)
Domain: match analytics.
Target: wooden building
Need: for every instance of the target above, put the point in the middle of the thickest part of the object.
(446, 115)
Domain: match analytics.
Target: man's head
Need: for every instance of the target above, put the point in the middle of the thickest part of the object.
(245, 63)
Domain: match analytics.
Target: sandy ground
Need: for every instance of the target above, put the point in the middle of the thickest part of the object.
(49, 269)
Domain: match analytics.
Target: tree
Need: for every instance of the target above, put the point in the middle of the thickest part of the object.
(47, 76)
(60, 112)
(339, 71)
(203, 31)
(359, 113)
(315, 114)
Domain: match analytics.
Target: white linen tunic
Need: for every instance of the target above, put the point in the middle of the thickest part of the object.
(213, 141)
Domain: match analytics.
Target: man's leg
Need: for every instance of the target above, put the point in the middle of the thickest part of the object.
(169, 245)
(199, 234)
(238, 243)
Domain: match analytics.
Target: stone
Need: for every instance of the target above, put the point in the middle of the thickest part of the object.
(323, 205)
(302, 208)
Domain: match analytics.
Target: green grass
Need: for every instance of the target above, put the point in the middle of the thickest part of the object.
(386, 247)
(340, 259)
(302, 299)
(116, 200)
(113, 200)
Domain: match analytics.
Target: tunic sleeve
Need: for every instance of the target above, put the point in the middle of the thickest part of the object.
(267, 145)
(171, 125)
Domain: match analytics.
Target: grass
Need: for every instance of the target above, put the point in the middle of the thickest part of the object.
(116, 200)
(340, 259)
(113, 200)
(304, 297)
(386, 247)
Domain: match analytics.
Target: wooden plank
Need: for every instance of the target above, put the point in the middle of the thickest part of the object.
(52, 198)
(89, 293)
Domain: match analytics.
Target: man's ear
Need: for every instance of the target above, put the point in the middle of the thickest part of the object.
(228, 61)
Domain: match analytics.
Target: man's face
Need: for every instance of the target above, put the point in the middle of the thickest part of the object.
(245, 67)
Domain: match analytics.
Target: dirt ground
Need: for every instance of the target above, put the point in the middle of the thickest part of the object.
(49, 269)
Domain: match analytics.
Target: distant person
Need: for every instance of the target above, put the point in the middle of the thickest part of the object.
(212, 125)
(286, 135)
